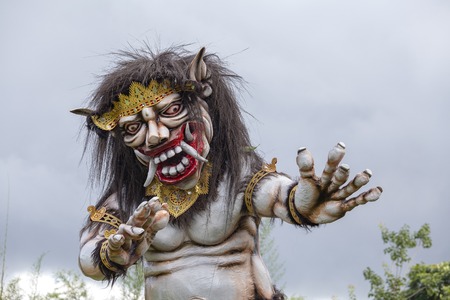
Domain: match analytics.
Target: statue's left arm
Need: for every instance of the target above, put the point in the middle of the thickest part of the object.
(312, 199)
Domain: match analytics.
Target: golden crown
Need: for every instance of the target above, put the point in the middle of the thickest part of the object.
(137, 99)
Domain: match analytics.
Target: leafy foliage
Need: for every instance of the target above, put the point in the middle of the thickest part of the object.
(351, 292)
(269, 251)
(430, 281)
(13, 290)
(422, 281)
(132, 285)
(296, 298)
(400, 242)
(35, 274)
(69, 286)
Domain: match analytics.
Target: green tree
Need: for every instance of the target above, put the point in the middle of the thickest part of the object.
(296, 298)
(351, 292)
(132, 285)
(69, 286)
(34, 279)
(12, 291)
(422, 281)
(429, 281)
(269, 251)
(3, 251)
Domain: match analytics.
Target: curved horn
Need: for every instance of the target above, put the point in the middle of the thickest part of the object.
(82, 112)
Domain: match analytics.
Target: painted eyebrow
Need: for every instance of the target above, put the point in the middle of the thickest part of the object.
(170, 104)
(127, 119)
(162, 106)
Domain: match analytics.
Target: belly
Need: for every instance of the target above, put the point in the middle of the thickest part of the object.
(221, 271)
(205, 281)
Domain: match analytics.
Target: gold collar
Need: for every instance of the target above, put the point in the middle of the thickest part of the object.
(178, 200)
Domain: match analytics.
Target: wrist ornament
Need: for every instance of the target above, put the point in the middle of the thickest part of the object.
(298, 218)
(102, 216)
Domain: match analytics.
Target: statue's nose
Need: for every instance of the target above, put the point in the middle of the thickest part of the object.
(156, 133)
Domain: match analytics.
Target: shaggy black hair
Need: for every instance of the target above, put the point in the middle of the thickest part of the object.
(115, 166)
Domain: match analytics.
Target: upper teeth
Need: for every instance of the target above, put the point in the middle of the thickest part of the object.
(173, 170)
(179, 168)
(178, 149)
(170, 153)
(163, 157)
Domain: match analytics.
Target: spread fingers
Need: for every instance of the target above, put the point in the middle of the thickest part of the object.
(305, 163)
(360, 180)
(369, 196)
(334, 158)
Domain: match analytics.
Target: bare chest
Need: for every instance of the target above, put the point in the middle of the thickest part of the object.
(210, 227)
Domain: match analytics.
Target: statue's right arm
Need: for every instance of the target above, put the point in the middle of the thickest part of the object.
(88, 245)
(90, 240)
(109, 257)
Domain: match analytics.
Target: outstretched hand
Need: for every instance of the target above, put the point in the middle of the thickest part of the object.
(325, 199)
(134, 238)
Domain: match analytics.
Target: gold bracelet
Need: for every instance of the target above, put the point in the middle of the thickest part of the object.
(103, 252)
(292, 208)
(102, 216)
(266, 169)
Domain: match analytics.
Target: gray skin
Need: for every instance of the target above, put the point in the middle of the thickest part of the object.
(214, 256)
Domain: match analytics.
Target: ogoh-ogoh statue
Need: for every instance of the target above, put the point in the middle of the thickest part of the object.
(184, 191)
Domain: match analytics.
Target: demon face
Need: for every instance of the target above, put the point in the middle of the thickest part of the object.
(156, 124)
(173, 147)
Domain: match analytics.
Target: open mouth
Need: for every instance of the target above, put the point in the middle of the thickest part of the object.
(176, 159)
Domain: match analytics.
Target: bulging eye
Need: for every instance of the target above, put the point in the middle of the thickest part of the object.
(132, 128)
(173, 110)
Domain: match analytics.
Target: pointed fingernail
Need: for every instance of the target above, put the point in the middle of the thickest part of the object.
(341, 145)
(301, 149)
(137, 231)
(361, 180)
(345, 167)
(373, 195)
(368, 172)
(117, 238)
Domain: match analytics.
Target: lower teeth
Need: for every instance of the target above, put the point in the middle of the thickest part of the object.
(174, 171)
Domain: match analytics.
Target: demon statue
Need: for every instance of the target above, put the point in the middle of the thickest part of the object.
(183, 193)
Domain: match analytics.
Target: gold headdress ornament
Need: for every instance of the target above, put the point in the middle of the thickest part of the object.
(137, 99)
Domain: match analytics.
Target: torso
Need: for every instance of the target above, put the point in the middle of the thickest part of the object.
(213, 257)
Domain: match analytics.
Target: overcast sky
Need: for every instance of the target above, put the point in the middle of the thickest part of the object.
(373, 74)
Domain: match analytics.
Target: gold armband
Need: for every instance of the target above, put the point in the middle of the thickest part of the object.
(266, 169)
(105, 261)
(102, 216)
(292, 208)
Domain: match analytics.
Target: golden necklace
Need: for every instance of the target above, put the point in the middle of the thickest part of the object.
(178, 200)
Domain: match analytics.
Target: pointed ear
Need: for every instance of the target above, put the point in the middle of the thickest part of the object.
(199, 72)
(82, 112)
(197, 68)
